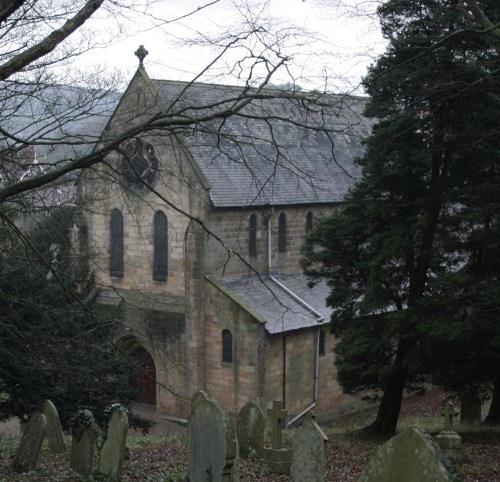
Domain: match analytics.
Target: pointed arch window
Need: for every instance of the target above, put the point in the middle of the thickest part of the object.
(227, 346)
(252, 236)
(309, 221)
(282, 233)
(116, 244)
(160, 255)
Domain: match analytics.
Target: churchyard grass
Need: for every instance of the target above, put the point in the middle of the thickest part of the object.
(164, 459)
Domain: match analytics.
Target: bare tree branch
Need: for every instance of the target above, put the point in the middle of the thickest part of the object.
(49, 43)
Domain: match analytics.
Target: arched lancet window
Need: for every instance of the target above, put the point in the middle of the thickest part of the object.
(116, 244)
(252, 235)
(282, 233)
(227, 346)
(160, 255)
(309, 221)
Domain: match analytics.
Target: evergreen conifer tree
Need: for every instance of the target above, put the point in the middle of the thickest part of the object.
(401, 231)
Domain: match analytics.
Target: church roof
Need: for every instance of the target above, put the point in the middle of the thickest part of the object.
(280, 150)
(268, 302)
(64, 122)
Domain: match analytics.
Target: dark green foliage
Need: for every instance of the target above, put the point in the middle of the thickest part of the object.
(51, 343)
(401, 254)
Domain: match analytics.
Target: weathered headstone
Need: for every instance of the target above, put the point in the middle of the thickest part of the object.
(278, 458)
(55, 435)
(213, 446)
(250, 426)
(308, 453)
(448, 412)
(411, 456)
(31, 442)
(449, 440)
(113, 447)
(197, 396)
(84, 434)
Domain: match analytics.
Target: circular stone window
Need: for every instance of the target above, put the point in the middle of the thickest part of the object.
(139, 164)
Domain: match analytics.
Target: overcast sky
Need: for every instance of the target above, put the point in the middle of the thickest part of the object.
(322, 38)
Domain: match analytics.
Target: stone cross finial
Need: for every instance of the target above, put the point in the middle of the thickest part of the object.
(448, 412)
(278, 416)
(141, 54)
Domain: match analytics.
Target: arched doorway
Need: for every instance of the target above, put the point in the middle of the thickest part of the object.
(144, 378)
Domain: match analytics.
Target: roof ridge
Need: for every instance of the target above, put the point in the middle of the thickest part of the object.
(270, 88)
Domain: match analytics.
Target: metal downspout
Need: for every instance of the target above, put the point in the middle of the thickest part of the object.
(306, 305)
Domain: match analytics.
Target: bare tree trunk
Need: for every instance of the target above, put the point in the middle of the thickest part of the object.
(493, 417)
(390, 406)
(470, 406)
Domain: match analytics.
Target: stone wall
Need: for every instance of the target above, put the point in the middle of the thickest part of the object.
(299, 373)
(233, 384)
(231, 225)
(164, 316)
(178, 190)
(256, 372)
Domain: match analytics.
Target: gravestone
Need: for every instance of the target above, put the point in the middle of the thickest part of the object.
(277, 457)
(31, 442)
(411, 456)
(84, 434)
(197, 396)
(308, 453)
(449, 440)
(448, 412)
(250, 428)
(113, 447)
(213, 446)
(55, 435)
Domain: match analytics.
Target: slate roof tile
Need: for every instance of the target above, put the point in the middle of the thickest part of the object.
(280, 311)
(277, 150)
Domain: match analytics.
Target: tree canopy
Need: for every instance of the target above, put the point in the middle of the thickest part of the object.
(410, 227)
(52, 344)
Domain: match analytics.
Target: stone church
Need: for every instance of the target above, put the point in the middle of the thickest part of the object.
(193, 232)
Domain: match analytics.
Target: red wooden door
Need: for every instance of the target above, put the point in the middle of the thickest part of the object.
(145, 380)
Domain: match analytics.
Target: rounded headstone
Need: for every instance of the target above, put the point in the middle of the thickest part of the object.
(250, 427)
(113, 448)
(213, 447)
(31, 443)
(197, 396)
(55, 435)
(410, 456)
